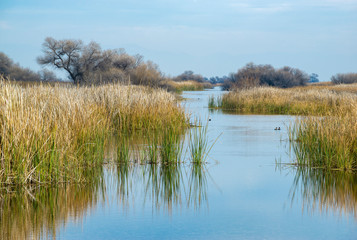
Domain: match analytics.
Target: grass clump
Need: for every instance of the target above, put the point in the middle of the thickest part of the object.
(326, 142)
(51, 134)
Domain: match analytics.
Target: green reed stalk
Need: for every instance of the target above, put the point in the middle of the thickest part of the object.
(199, 146)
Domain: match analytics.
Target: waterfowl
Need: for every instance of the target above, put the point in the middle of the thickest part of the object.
(277, 128)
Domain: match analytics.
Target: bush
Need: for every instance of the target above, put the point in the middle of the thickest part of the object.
(346, 78)
(265, 75)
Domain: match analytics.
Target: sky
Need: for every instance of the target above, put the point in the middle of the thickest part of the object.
(209, 37)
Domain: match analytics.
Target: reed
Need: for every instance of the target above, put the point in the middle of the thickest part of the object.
(51, 134)
(199, 146)
(293, 101)
(186, 86)
(171, 146)
(326, 142)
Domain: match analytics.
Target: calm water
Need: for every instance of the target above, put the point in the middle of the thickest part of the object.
(240, 194)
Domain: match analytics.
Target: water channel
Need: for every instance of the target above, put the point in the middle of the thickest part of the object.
(245, 191)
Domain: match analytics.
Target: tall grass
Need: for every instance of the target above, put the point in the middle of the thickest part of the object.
(199, 146)
(186, 86)
(293, 101)
(326, 142)
(53, 133)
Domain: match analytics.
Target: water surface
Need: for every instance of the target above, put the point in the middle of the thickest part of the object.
(240, 194)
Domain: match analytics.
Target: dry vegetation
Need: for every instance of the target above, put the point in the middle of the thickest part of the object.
(54, 133)
(296, 101)
(326, 138)
(189, 85)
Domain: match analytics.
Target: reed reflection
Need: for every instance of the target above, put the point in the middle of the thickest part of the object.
(166, 186)
(326, 191)
(38, 212)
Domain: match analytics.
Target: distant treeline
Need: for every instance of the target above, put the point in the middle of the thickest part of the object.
(189, 76)
(87, 64)
(346, 78)
(14, 71)
(266, 75)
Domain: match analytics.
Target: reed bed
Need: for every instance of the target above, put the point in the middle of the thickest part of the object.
(294, 101)
(187, 86)
(326, 142)
(53, 133)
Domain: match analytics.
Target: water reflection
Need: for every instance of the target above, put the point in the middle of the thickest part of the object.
(38, 212)
(325, 191)
(35, 213)
(164, 185)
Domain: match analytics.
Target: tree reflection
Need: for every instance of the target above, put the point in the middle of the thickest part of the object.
(326, 191)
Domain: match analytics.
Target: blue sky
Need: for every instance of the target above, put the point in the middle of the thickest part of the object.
(208, 37)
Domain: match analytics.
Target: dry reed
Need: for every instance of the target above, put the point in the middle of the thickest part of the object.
(187, 86)
(52, 133)
(294, 101)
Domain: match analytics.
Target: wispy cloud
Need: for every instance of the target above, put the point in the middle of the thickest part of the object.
(249, 6)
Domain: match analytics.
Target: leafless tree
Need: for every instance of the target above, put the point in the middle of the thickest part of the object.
(64, 54)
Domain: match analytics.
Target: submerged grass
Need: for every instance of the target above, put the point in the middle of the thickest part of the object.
(51, 134)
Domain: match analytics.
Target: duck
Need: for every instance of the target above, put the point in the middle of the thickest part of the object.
(277, 128)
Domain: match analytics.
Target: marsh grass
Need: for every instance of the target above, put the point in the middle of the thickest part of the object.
(52, 134)
(326, 142)
(199, 146)
(187, 86)
(292, 101)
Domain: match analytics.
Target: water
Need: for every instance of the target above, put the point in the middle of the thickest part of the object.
(242, 193)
